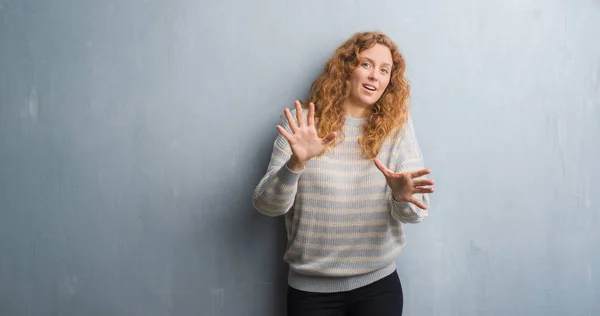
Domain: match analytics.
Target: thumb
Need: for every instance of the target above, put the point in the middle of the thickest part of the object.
(329, 138)
(381, 167)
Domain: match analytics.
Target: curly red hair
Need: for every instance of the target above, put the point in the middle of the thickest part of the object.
(329, 91)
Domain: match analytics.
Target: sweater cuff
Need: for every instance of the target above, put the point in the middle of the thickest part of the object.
(287, 176)
(401, 205)
(406, 211)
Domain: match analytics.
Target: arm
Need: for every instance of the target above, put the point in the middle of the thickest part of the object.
(409, 159)
(407, 212)
(275, 193)
(296, 144)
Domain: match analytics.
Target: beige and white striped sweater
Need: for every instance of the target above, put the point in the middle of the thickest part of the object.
(344, 229)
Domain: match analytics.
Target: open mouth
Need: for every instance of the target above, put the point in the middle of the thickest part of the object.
(369, 87)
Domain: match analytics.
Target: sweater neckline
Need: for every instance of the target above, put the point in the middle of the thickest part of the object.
(354, 121)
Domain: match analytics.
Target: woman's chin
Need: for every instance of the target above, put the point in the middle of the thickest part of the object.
(367, 102)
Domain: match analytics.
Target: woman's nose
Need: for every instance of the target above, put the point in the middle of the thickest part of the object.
(372, 76)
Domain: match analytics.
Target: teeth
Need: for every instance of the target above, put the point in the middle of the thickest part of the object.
(369, 87)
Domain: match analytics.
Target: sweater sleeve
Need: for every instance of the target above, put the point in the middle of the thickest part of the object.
(408, 157)
(275, 193)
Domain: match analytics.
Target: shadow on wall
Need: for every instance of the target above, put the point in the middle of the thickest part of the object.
(237, 267)
(264, 231)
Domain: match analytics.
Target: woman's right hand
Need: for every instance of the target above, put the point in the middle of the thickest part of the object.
(304, 141)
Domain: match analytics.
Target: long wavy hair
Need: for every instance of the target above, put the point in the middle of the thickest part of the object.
(332, 88)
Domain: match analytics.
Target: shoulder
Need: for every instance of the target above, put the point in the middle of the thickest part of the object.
(405, 130)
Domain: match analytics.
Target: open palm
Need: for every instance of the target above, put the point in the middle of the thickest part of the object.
(404, 184)
(304, 141)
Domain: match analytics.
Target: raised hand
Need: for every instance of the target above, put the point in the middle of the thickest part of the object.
(404, 185)
(304, 141)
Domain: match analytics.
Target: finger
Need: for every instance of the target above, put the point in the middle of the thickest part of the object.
(381, 167)
(418, 203)
(299, 114)
(311, 114)
(290, 119)
(420, 173)
(284, 133)
(424, 182)
(330, 138)
(423, 190)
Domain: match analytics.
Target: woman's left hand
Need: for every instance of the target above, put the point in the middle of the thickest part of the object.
(404, 186)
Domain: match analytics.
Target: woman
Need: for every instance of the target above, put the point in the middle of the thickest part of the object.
(347, 172)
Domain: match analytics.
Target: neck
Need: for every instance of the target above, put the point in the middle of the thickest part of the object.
(355, 110)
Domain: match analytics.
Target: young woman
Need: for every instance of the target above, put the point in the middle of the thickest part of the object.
(346, 172)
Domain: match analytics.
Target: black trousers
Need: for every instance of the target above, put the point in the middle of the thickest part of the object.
(381, 298)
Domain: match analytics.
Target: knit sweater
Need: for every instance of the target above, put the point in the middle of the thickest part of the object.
(344, 228)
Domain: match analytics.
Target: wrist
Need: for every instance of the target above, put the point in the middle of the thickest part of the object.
(295, 164)
(398, 197)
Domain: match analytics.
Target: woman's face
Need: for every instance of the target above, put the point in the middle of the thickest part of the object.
(372, 76)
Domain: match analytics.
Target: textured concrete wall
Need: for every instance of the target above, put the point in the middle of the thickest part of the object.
(133, 132)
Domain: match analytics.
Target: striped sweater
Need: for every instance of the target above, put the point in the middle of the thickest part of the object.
(344, 228)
